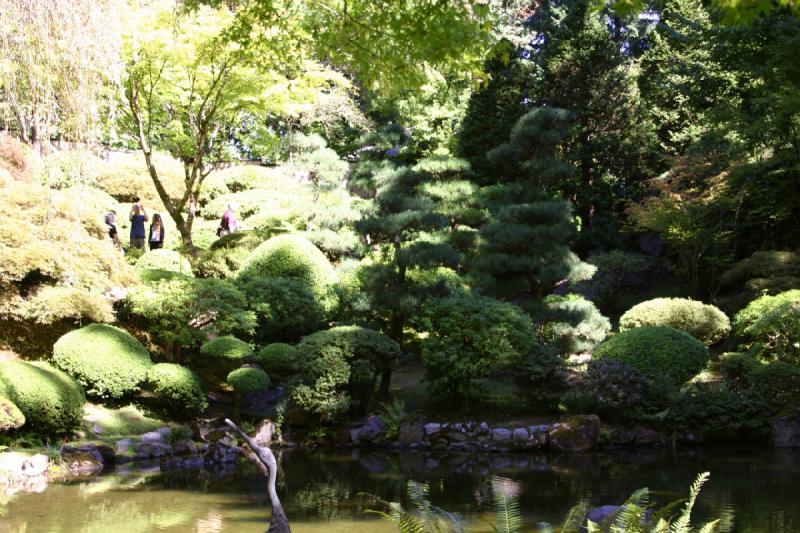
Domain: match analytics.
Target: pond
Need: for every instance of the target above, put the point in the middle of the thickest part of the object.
(324, 491)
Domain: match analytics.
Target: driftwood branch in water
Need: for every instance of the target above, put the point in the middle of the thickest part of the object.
(278, 523)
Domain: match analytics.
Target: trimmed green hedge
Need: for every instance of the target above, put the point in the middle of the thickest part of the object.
(107, 361)
(277, 359)
(166, 260)
(248, 379)
(702, 321)
(179, 390)
(227, 348)
(657, 351)
(770, 327)
(292, 257)
(51, 401)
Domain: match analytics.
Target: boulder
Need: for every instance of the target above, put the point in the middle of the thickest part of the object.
(575, 434)
(82, 460)
(369, 432)
(598, 515)
(152, 436)
(786, 432)
(501, 435)
(36, 465)
(153, 450)
(520, 436)
(431, 428)
(185, 447)
(649, 437)
(210, 429)
(220, 453)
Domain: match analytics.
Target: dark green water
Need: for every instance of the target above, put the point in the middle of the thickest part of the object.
(750, 490)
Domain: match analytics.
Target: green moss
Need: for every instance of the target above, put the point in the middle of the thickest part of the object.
(50, 400)
(702, 321)
(108, 361)
(248, 379)
(657, 351)
(292, 257)
(227, 348)
(180, 391)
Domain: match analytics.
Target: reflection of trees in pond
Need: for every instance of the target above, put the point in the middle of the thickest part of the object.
(329, 499)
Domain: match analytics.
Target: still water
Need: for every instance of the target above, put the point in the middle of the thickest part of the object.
(326, 491)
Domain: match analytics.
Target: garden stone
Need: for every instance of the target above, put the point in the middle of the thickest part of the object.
(620, 436)
(575, 434)
(220, 453)
(432, 428)
(124, 445)
(185, 447)
(786, 432)
(210, 429)
(153, 450)
(649, 437)
(598, 515)
(501, 435)
(12, 463)
(81, 461)
(520, 435)
(36, 465)
(538, 436)
(152, 436)
(369, 432)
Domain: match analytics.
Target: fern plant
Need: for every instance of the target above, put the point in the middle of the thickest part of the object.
(508, 517)
(392, 414)
(424, 518)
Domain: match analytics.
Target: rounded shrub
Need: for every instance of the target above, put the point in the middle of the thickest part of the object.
(247, 379)
(166, 260)
(657, 351)
(573, 324)
(227, 348)
(277, 359)
(702, 321)
(340, 363)
(107, 361)
(10, 415)
(770, 327)
(50, 400)
(285, 309)
(180, 391)
(292, 257)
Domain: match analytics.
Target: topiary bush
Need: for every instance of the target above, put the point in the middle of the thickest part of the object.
(50, 400)
(291, 257)
(616, 392)
(227, 348)
(107, 361)
(247, 379)
(277, 359)
(285, 309)
(466, 335)
(164, 260)
(340, 364)
(702, 321)
(179, 391)
(778, 383)
(770, 327)
(657, 351)
(572, 324)
(10, 415)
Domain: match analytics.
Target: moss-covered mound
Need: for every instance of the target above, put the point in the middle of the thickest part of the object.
(180, 391)
(702, 321)
(164, 260)
(277, 359)
(227, 348)
(108, 361)
(244, 380)
(49, 399)
(292, 257)
(657, 351)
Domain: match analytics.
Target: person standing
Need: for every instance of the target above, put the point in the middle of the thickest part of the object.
(155, 238)
(138, 217)
(111, 222)
(228, 223)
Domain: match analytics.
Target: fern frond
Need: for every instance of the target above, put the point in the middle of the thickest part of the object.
(629, 516)
(508, 517)
(709, 527)
(576, 518)
(681, 525)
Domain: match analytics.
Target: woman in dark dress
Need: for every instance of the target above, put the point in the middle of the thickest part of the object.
(156, 236)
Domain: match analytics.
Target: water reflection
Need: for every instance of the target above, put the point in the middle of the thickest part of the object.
(750, 491)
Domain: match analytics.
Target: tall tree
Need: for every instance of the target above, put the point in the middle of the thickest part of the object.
(186, 88)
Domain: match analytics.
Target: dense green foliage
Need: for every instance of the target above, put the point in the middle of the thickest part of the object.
(107, 361)
(467, 335)
(289, 257)
(339, 368)
(164, 260)
(572, 324)
(770, 327)
(778, 383)
(278, 359)
(702, 321)
(180, 392)
(51, 401)
(244, 380)
(718, 411)
(228, 349)
(657, 351)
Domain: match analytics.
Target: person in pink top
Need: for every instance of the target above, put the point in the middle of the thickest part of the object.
(228, 223)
